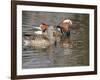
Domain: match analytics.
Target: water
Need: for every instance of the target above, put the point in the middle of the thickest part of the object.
(69, 51)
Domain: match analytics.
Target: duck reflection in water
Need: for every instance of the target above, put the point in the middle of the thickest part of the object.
(65, 42)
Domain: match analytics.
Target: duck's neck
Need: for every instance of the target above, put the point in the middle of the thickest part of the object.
(44, 30)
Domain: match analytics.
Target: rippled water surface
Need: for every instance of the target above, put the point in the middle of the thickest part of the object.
(69, 51)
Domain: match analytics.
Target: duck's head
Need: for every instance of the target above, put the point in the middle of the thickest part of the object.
(67, 21)
(44, 27)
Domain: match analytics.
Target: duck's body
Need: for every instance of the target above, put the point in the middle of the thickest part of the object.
(43, 38)
(38, 41)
